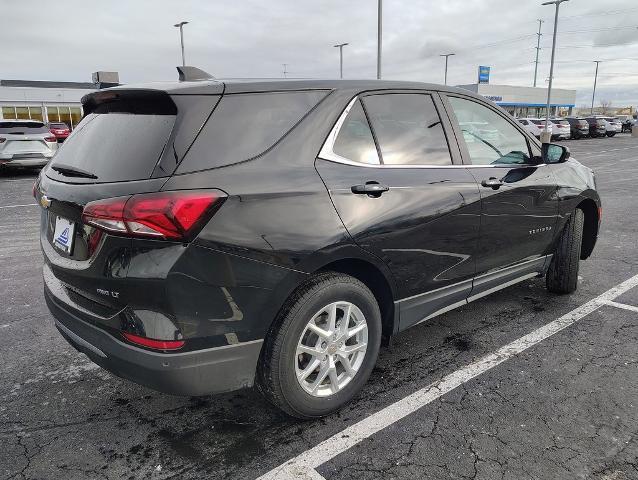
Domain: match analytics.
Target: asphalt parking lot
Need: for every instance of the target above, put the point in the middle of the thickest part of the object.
(561, 403)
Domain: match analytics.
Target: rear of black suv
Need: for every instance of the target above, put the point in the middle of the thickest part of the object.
(148, 269)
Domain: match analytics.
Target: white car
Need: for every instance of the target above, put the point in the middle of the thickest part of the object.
(25, 143)
(614, 126)
(531, 127)
(561, 129)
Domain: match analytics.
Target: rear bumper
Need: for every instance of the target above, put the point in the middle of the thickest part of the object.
(200, 372)
(16, 161)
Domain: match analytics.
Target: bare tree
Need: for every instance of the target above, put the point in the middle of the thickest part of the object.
(605, 105)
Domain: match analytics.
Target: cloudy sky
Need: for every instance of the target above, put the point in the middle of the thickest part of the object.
(248, 38)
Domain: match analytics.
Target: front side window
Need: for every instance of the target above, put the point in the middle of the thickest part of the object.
(354, 141)
(490, 138)
(408, 129)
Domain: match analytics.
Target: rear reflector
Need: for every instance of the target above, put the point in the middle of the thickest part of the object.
(154, 344)
(170, 215)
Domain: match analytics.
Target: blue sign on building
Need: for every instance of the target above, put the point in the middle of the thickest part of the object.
(483, 74)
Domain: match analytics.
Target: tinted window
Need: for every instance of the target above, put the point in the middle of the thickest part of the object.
(22, 127)
(490, 138)
(408, 129)
(354, 140)
(116, 146)
(245, 125)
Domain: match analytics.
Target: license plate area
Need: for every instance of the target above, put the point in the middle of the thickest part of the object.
(63, 234)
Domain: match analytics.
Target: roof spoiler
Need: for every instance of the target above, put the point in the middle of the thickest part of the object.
(189, 74)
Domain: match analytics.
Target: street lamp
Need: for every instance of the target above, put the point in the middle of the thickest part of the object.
(593, 95)
(379, 31)
(341, 45)
(546, 135)
(446, 55)
(180, 25)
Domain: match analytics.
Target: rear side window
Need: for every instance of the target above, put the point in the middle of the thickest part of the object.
(408, 129)
(244, 126)
(116, 146)
(355, 141)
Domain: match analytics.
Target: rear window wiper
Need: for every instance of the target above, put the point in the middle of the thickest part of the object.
(70, 171)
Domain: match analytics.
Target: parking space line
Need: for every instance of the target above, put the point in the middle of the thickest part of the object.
(622, 305)
(305, 464)
(23, 205)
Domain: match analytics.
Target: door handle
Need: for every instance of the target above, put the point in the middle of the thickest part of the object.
(492, 182)
(374, 189)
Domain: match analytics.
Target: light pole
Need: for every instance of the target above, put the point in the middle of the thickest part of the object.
(546, 135)
(180, 25)
(379, 32)
(593, 95)
(446, 55)
(538, 48)
(341, 45)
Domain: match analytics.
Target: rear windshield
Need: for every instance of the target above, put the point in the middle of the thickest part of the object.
(58, 125)
(115, 146)
(244, 126)
(17, 128)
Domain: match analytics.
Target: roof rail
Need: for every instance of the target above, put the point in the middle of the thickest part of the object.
(189, 74)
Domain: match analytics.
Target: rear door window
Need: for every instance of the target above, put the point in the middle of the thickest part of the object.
(243, 126)
(408, 129)
(355, 141)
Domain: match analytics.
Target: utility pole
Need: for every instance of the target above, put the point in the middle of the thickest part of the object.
(379, 35)
(446, 55)
(593, 95)
(546, 135)
(285, 71)
(341, 45)
(180, 25)
(538, 48)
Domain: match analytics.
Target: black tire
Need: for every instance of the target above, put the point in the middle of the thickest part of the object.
(562, 275)
(276, 377)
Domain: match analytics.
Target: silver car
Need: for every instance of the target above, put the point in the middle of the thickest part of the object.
(25, 143)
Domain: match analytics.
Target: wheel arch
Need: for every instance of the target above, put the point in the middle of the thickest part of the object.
(376, 280)
(590, 228)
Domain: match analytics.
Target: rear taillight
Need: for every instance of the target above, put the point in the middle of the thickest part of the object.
(2, 140)
(154, 344)
(50, 138)
(170, 215)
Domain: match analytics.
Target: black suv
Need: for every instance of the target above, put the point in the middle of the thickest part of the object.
(202, 236)
(579, 127)
(597, 127)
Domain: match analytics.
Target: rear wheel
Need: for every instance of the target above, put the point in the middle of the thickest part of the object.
(323, 347)
(562, 275)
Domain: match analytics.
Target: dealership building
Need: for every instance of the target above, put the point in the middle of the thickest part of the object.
(526, 101)
(49, 101)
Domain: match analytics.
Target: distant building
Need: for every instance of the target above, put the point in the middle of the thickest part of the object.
(526, 101)
(49, 101)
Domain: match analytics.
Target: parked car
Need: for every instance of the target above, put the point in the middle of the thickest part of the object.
(25, 143)
(247, 232)
(578, 126)
(60, 129)
(597, 127)
(530, 127)
(562, 128)
(559, 131)
(613, 126)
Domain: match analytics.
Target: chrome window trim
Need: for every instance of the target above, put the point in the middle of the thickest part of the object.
(327, 152)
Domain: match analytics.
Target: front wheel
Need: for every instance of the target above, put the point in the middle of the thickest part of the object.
(322, 348)
(562, 275)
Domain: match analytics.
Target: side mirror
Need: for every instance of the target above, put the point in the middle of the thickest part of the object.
(553, 153)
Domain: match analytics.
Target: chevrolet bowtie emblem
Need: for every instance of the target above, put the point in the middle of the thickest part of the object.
(45, 201)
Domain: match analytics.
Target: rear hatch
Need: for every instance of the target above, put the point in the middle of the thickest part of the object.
(126, 146)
